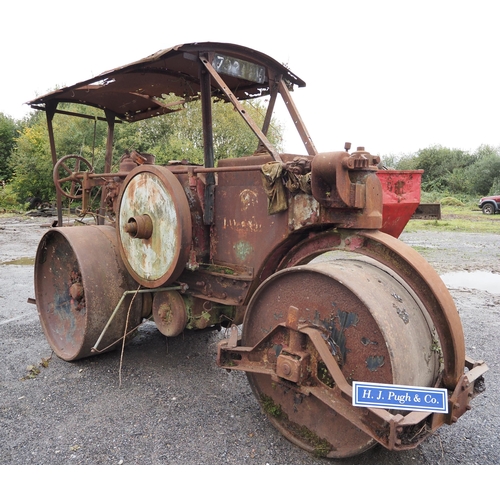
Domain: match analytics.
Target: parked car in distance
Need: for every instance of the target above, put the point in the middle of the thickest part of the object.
(490, 204)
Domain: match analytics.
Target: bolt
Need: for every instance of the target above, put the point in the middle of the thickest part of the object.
(286, 369)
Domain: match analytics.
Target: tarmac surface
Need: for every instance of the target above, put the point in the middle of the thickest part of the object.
(164, 401)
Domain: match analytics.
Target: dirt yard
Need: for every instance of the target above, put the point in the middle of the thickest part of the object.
(174, 406)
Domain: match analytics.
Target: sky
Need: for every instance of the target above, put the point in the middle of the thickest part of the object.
(391, 76)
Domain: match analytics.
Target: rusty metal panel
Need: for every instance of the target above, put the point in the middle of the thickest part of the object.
(401, 197)
(243, 232)
(428, 211)
(133, 92)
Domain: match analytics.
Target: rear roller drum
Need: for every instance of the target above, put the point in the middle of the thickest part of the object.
(373, 326)
(79, 280)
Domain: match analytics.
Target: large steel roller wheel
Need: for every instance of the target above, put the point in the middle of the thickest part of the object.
(153, 226)
(79, 280)
(417, 273)
(373, 326)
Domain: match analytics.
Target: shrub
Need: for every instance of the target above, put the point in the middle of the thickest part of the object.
(8, 198)
(451, 201)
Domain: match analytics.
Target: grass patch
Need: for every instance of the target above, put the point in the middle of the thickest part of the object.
(421, 250)
(452, 202)
(270, 407)
(321, 446)
(458, 218)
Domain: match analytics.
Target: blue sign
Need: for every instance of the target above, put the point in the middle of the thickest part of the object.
(400, 397)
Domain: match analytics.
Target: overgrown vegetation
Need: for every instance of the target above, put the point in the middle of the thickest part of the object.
(452, 172)
(451, 177)
(26, 163)
(270, 407)
(8, 131)
(466, 218)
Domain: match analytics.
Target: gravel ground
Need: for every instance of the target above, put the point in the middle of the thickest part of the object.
(170, 404)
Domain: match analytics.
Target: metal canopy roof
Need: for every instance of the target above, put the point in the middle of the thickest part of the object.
(133, 92)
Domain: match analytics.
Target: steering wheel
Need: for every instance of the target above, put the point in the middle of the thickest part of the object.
(69, 184)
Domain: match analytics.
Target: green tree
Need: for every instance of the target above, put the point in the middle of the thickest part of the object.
(483, 176)
(179, 135)
(31, 162)
(84, 137)
(495, 187)
(442, 166)
(454, 171)
(175, 136)
(8, 130)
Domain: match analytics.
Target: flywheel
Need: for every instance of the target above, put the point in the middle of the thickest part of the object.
(153, 225)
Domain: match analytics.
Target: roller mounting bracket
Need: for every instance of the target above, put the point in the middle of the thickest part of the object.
(292, 367)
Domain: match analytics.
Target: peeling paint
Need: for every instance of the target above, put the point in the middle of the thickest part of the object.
(403, 314)
(243, 250)
(244, 225)
(248, 199)
(336, 325)
(303, 211)
(153, 257)
(373, 363)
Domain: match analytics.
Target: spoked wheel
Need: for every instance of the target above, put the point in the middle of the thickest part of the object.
(352, 311)
(79, 280)
(65, 175)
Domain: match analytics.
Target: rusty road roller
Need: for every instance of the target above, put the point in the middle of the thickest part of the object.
(297, 256)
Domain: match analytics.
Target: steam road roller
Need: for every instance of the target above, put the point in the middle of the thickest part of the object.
(296, 256)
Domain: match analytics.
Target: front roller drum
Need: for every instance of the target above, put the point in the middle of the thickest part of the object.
(79, 281)
(369, 323)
